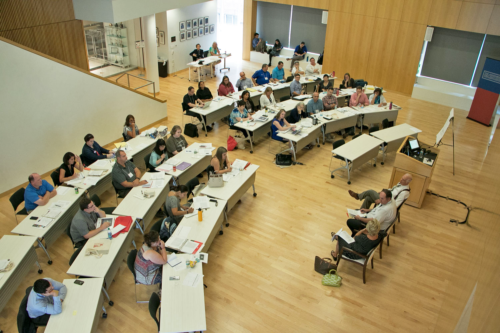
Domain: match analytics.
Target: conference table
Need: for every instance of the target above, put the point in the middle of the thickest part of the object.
(66, 198)
(140, 146)
(311, 81)
(182, 306)
(308, 134)
(341, 118)
(208, 61)
(22, 253)
(219, 108)
(357, 152)
(95, 184)
(81, 308)
(394, 136)
(376, 114)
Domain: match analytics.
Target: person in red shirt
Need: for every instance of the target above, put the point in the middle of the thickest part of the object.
(225, 87)
(359, 98)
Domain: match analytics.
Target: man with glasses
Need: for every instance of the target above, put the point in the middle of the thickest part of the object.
(83, 225)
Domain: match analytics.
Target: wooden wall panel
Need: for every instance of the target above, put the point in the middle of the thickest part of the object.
(444, 13)
(249, 23)
(343, 48)
(57, 10)
(494, 25)
(491, 2)
(359, 44)
(73, 35)
(363, 7)
(390, 9)
(48, 40)
(320, 4)
(474, 17)
(331, 42)
(344, 6)
(416, 11)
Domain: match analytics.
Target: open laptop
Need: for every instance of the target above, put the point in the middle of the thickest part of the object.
(207, 104)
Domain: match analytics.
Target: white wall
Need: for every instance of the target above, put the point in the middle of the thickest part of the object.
(161, 23)
(442, 92)
(133, 34)
(179, 51)
(47, 109)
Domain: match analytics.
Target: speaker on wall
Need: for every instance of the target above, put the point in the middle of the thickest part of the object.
(324, 17)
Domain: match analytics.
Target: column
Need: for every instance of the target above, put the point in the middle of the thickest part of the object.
(150, 51)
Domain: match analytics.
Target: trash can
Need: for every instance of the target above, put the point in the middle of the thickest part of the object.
(162, 68)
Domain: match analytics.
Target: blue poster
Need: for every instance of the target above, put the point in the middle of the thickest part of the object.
(490, 78)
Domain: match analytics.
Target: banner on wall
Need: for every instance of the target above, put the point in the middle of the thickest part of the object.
(487, 94)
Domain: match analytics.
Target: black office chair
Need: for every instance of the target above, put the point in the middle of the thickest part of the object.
(73, 258)
(68, 232)
(149, 167)
(118, 196)
(205, 54)
(16, 199)
(154, 304)
(84, 161)
(97, 202)
(157, 226)
(24, 323)
(386, 123)
(55, 178)
(337, 144)
(284, 98)
(373, 129)
(357, 135)
(124, 137)
(289, 79)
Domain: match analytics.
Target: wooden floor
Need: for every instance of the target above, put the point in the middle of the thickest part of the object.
(260, 273)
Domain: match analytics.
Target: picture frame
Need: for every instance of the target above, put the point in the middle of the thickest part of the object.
(195, 23)
(200, 32)
(195, 33)
(206, 20)
(207, 30)
(189, 34)
(188, 25)
(182, 25)
(201, 22)
(212, 28)
(182, 36)
(162, 37)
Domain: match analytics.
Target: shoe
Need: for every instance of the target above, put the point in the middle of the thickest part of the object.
(288, 58)
(353, 194)
(345, 135)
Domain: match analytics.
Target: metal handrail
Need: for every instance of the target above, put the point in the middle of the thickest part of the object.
(147, 84)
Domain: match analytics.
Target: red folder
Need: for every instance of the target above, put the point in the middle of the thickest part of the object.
(126, 221)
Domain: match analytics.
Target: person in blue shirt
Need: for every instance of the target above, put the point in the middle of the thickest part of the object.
(158, 155)
(239, 114)
(280, 124)
(262, 76)
(315, 105)
(43, 301)
(92, 152)
(278, 72)
(298, 54)
(258, 44)
(38, 192)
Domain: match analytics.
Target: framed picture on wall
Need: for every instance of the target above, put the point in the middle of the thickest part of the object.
(200, 32)
(200, 22)
(188, 24)
(162, 37)
(183, 36)
(212, 28)
(189, 34)
(195, 33)
(206, 20)
(182, 25)
(207, 30)
(195, 23)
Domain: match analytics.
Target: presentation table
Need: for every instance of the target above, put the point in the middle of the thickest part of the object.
(224, 56)
(182, 306)
(394, 136)
(219, 108)
(22, 253)
(199, 162)
(305, 137)
(342, 118)
(208, 61)
(357, 152)
(373, 114)
(66, 196)
(234, 187)
(82, 308)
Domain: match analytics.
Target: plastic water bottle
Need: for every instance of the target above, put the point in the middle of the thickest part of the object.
(110, 235)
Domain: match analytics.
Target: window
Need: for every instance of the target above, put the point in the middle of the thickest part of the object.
(231, 19)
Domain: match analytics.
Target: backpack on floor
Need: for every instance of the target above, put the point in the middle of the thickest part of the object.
(191, 130)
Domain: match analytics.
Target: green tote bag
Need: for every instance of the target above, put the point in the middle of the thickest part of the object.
(332, 280)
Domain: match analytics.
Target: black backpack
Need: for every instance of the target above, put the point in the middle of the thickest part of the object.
(283, 159)
(191, 130)
(166, 232)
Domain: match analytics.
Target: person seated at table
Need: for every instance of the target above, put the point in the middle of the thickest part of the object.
(297, 69)
(275, 51)
(299, 53)
(325, 84)
(262, 76)
(280, 124)
(243, 82)
(245, 97)
(83, 225)
(329, 100)
(267, 98)
(173, 205)
(258, 44)
(191, 101)
(278, 72)
(130, 129)
(197, 53)
(220, 161)
(364, 241)
(297, 113)
(158, 155)
(92, 152)
(125, 175)
(150, 259)
(38, 192)
(176, 142)
(225, 87)
(67, 169)
(315, 105)
(44, 301)
(313, 68)
(347, 82)
(384, 212)
(214, 51)
(359, 98)
(240, 113)
(296, 86)
(400, 192)
(203, 92)
(377, 98)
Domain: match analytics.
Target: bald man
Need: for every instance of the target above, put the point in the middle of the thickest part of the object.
(400, 193)
(243, 82)
(38, 192)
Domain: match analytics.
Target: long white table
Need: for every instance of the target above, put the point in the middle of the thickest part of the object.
(135, 204)
(81, 308)
(376, 113)
(20, 251)
(104, 182)
(357, 152)
(208, 61)
(138, 148)
(342, 118)
(394, 136)
(305, 137)
(182, 307)
(58, 226)
(311, 81)
(233, 190)
(219, 108)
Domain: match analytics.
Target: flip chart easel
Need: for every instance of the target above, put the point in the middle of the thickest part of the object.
(439, 136)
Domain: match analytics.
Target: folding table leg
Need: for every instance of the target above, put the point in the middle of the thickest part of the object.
(45, 250)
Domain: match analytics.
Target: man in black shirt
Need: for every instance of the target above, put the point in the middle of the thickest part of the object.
(190, 101)
(197, 54)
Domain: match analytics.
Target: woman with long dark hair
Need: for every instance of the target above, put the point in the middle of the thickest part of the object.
(130, 129)
(173, 205)
(220, 161)
(67, 169)
(225, 87)
(158, 155)
(275, 51)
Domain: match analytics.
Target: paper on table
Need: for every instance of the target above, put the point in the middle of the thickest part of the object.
(184, 232)
(189, 247)
(97, 173)
(100, 164)
(192, 279)
(201, 202)
(173, 161)
(53, 213)
(205, 145)
(345, 236)
(203, 257)
(4, 263)
(354, 212)
(44, 221)
(60, 203)
(118, 228)
(239, 164)
(76, 180)
(176, 243)
(61, 190)
(158, 183)
(205, 152)
(302, 97)
(91, 180)
(173, 260)
(157, 176)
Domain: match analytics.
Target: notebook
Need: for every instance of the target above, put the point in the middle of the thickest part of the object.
(183, 166)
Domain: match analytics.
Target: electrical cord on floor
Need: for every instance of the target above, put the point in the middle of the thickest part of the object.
(469, 208)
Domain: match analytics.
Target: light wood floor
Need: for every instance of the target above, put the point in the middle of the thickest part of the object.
(260, 274)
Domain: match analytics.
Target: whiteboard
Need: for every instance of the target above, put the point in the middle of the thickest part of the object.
(443, 130)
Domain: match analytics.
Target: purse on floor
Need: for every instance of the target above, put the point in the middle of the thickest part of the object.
(323, 265)
(331, 280)
(283, 159)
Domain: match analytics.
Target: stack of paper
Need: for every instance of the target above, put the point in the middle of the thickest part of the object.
(91, 181)
(157, 176)
(100, 164)
(345, 236)
(60, 204)
(173, 161)
(239, 164)
(158, 183)
(201, 202)
(76, 180)
(96, 173)
(43, 222)
(354, 212)
(173, 260)
(53, 213)
(61, 190)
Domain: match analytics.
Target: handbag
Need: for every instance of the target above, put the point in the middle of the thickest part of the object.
(191, 130)
(231, 143)
(332, 280)
(284, 159)
(323, 265)
(215, 180)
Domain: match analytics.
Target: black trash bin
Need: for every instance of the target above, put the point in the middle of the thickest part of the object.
(163, 69)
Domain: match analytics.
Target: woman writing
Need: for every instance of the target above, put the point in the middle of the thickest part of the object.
(150, 259)
(325, 84)
(214, 51)
(347, 82)
(203, 92)
(267, 98)
(280, 124)
(130, 129)
(364, 241)
(297, 114)
(275, 51)
(377, 98)
(158, 154)
(239, 113)
(173, 203)
(225, 87)
(245, 97)
(220, 162)
(67, 169)
(176, 143)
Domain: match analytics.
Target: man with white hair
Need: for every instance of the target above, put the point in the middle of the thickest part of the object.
(400, 193)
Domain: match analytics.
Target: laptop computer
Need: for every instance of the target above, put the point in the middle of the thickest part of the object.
(207, 104)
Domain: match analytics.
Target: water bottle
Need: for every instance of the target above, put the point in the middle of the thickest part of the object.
(421, 153)
(390, 106)
(200, 215)
(307, 58)
(110, 235)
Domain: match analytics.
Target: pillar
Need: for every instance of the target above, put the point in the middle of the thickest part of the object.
(151, 52)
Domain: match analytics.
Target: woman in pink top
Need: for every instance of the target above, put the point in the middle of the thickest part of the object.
(226, 87)
(359, 98)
